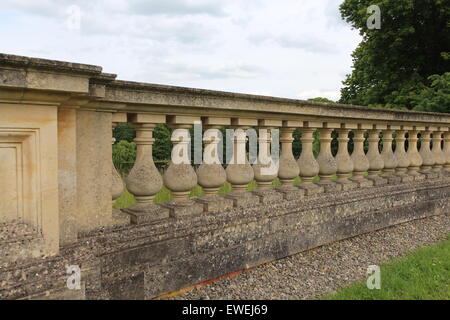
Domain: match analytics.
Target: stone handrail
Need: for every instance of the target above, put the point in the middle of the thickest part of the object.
(56, 121)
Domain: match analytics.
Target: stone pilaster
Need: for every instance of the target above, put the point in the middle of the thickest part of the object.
(288, 167)
(307, 163)
(376, 162)
(180, 176)
(343, 159)
(427, 156)
(325, 159)
(144, 180)
(211, 174)
(359, 158)
(415, 159)
(239, 171)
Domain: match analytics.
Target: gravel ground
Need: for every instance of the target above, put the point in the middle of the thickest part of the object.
(322, 270)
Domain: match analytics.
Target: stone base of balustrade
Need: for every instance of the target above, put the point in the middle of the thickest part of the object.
(120, 218)
(291, 192)
(179, 209)
(243, 199)
(311, 188)
(214, 203)
(392, 178)
(377, 180)
(330, 186)
(417, 176)
(268, 196)
(347, 184)
(146, 213)
(430, 174)
(145, 261)
(362, 182)
(404, 177)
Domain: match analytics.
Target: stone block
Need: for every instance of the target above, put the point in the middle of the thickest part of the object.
(392, 178)
(179, 209)
(215, 203)
(291, 192)
(243, 199)
(146, 213)
(311, 188)
(330, 186)
(429, 174)
(362, 182)
(347, 184)
(268, 196)
(377, 180)
(405, 177)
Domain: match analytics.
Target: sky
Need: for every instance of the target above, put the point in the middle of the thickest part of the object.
(287, 48)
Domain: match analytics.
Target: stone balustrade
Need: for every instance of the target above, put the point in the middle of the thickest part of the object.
(54, 111)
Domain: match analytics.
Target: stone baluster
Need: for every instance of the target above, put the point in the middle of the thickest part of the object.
(436, 150)
(360, 161)
(389, 158)
(343, 159)
(144, 180)
(447, 151)
(427, 156)
(180, 176)
(266, 168)
(400, 154)
(415, 159)
(239, 171)
(325, 159)
(211, 174)
(307, 163)
(376, 162)
(288, 169)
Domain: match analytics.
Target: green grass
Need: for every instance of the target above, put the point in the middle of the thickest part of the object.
(423, 274)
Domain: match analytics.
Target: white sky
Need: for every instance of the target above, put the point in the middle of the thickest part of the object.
(285, 48)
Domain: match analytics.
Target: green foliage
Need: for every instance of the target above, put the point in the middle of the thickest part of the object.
(421, 275)
(320, 99)
(124, 155)
(435, 98)
(162, 146)
(124, 131)
(392, 66)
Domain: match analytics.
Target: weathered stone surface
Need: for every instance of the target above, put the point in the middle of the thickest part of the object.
(145, 261)
(215, 203)
(268, 196)
(347, 184)
(146, 213)
(291, 192)
(330, 186)
(243, 199)
(311, 188)
(183, 208)
(362, 182)
(377, 180)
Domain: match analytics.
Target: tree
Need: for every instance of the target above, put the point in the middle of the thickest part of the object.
(321, 99)
(393, 65)
(124, 131)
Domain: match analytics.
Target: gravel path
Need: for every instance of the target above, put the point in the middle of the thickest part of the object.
(315, 272)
